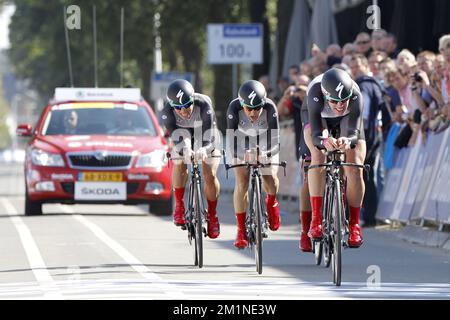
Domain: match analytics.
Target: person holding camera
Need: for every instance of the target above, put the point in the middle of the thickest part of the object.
(423, 93)
(292, 97)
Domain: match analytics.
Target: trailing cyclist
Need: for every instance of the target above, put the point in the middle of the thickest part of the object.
(191, 122)
(334, 104)
(252, 122)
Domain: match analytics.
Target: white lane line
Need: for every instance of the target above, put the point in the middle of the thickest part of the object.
(224, 290)
(34, 256)
(169, 289)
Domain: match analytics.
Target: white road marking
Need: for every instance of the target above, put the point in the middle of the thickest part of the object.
(169, 289)
(34, 256)
(234, 290)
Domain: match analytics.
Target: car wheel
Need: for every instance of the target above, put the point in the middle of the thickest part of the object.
(32, 208)
(161, 207)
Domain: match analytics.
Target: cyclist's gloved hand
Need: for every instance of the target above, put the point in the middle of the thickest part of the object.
(250, 156)
(187, 153)
(264, 158)
(330, 143)
(201, 154)
(343, 143)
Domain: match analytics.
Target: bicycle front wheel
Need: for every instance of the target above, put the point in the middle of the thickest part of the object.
(257, 209)
(326, 242)
(198, 229)
(337, 234)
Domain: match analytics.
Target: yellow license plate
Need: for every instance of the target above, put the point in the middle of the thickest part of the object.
(101, 176)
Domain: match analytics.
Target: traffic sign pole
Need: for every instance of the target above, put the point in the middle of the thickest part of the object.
(235, 80)
(235, 43)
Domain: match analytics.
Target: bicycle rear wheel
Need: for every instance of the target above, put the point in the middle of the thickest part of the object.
(257, 209)
(326, 251)
(337, 234)
(318, 248)
(192, 233)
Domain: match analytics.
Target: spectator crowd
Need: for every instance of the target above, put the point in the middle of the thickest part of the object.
(405, 96)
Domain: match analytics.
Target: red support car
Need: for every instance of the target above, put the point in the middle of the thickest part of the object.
(97, 145)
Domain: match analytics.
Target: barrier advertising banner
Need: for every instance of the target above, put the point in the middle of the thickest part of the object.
(435, 148)
(393, 181)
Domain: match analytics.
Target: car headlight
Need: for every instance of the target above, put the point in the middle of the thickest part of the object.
(153, 159)
(46, 159)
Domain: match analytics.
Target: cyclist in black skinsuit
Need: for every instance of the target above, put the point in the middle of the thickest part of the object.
(191, 123)
(252, 121)
(334, 104)
(305, 199)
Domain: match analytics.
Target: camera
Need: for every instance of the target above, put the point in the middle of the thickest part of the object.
(417, 77)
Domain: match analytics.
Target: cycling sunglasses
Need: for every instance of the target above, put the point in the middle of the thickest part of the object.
(336, 101)
(182, 106)
(250, 108)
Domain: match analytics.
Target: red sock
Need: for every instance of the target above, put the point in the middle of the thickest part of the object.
(179, 195)
(271, 198)
(306, 220)
(240, 218)
(316, 204)
(354, 215)
(212, 205)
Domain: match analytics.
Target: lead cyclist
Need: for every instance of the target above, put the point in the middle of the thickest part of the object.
(334, 101)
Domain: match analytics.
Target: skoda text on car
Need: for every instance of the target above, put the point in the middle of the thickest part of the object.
(97, 145)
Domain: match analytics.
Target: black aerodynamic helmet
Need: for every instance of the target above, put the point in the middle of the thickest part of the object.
(180, 93)
(252, 94)
(337, 85)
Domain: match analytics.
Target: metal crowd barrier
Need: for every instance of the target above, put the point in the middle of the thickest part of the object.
(418, 187)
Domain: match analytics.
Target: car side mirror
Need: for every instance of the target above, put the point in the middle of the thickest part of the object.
(24, 130)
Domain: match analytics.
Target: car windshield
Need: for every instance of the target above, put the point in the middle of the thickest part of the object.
(118, 119)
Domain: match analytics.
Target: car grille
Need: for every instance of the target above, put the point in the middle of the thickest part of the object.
(93, 161)
(69, 187)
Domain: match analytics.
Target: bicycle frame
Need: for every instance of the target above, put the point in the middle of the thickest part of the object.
(195, 214)
(195, 196)
(254, 198)
(335, 223)
(256, 220)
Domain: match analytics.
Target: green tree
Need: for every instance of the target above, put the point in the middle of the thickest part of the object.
(5, 138)
(38, 48)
